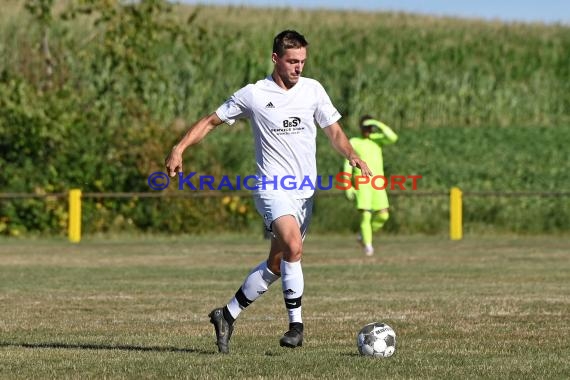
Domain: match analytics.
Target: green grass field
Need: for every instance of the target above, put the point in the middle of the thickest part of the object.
(132, 308)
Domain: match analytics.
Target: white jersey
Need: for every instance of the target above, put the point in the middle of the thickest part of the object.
(284, 128)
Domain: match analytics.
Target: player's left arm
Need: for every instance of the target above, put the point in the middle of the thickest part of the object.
(387, 136)
(340, 143)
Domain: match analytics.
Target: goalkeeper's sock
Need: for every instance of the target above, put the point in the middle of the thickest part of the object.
(366, 227)
(255, 284)
(379, 220)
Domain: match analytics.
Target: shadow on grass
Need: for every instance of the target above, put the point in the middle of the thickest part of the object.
(87, 346)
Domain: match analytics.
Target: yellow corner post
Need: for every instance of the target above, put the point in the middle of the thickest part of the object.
(455, 214)
(74, 228)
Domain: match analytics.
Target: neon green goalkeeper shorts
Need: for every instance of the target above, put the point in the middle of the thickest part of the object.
(369, 198)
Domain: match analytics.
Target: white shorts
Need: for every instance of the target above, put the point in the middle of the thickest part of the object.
(276, 204)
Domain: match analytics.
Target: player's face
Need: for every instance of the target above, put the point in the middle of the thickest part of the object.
(290, 66)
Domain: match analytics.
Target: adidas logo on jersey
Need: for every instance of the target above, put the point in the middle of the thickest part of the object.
(269, 105)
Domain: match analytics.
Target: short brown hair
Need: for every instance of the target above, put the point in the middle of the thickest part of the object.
(363, 119)
(288, 39)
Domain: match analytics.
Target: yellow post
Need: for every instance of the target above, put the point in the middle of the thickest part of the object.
(74, 228)
(455, 214)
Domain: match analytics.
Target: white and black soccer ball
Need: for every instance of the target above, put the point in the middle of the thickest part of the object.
(377, 340)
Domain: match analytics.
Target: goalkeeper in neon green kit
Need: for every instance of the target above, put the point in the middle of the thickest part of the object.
(372, 203)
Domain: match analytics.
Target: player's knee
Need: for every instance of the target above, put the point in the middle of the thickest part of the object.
(293, 251)
(383, 217)
(379, 220)
(366, 216)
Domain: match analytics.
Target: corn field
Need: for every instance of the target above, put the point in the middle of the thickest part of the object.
(94, 93)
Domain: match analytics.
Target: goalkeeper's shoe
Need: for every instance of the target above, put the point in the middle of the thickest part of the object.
(294, 337)
(368, 250)
(223, 328)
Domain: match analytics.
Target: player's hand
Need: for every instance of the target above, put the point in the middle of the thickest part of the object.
(360, 164)
(173, 162)
(350, 193)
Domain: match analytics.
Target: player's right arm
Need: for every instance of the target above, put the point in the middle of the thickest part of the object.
(195, 134)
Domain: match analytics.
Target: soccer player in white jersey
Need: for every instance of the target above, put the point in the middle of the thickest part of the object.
(285, 111)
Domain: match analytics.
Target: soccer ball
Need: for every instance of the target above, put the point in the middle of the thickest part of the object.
(377, 340)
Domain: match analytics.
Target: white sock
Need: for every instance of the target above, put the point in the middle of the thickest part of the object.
(255, 284)
(293, 285)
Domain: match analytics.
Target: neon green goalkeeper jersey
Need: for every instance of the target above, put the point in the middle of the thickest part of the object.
(370, 150)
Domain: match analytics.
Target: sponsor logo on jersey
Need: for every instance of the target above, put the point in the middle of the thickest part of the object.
(293, 121)
(269, 105)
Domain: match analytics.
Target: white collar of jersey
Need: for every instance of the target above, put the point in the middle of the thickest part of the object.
(270, 79)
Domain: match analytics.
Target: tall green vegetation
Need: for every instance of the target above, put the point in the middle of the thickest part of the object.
(94, 92)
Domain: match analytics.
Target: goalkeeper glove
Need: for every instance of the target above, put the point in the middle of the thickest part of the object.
(350, 194)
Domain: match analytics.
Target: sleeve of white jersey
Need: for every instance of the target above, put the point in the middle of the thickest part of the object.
(326, 114)
(236, 107)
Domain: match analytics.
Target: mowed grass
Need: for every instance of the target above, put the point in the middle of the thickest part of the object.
(495, 307)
